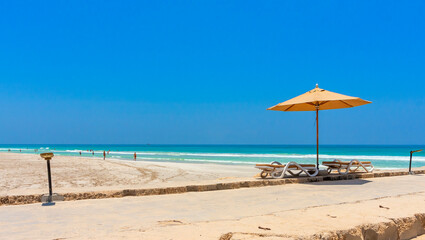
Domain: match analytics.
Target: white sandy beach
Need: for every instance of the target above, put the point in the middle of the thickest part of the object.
(22, 174)
(275, 212)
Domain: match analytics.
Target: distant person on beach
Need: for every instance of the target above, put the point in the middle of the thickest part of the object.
(92, 152)
(20, 150)
(135, 156)
(104, 155)
(80, 153)
(8, 150)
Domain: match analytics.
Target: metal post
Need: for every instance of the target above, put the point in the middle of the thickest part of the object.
(47, 199)
(410, 163)
(317, 137)
(50, 182)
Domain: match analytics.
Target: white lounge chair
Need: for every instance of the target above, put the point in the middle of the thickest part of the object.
(348, 166)
(279, 170)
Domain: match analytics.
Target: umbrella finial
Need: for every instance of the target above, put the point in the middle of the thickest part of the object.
(317, 85)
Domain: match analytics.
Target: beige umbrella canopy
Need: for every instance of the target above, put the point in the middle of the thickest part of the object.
(319, 99)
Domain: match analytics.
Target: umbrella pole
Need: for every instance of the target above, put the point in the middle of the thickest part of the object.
(317, 137)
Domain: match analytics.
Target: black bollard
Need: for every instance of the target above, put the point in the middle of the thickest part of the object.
(49, 199)
(50, 182)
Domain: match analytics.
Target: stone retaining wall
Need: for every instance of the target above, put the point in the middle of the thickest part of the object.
(394, 229)
(28, 199)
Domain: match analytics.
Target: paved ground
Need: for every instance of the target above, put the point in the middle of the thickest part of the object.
(289, 210)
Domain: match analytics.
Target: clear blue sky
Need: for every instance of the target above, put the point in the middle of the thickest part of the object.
(205, 71)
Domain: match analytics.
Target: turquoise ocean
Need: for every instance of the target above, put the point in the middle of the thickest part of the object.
(384, 157)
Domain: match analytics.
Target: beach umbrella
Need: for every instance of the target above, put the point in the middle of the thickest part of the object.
(318, 99)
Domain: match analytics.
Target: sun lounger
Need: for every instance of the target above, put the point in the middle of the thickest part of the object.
(348, 166)
(279, 170)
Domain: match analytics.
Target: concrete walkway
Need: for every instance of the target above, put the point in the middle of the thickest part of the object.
(288, 210)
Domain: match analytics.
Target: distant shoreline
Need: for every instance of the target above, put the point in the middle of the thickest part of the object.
(383, 157)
